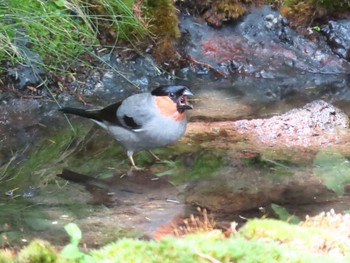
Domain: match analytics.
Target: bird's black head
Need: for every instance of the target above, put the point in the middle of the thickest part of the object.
(178, 94)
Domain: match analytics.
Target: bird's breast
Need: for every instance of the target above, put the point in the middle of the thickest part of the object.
(167, 108)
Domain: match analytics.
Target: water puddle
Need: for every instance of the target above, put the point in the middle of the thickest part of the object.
(59, 176)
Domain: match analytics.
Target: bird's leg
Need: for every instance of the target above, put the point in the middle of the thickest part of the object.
(154, 156)
(130, 153)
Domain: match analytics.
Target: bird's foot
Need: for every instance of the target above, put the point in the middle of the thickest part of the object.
(154, 156)
(137, 168)
(133, 165)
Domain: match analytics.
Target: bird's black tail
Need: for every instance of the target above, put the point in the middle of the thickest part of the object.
(90, 114)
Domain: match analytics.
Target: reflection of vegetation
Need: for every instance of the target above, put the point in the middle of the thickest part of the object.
(334, 169)
(272, 168)
(204, 164)
(18, 216)
(34, 173)
(22, 218)
(284, 215)
(43, 160)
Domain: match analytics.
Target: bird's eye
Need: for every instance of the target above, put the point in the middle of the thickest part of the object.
(172, 94)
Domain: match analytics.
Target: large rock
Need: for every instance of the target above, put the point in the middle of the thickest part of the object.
(317, 123)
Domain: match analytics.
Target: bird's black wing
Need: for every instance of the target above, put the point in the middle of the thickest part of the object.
(109, 114)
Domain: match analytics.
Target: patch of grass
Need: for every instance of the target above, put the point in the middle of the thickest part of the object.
(44, 28)
(61, 31)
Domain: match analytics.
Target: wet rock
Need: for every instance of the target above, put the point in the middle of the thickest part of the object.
(26, 75)
(243, 188)
(316, 124)
(30, 72)
(18, 122)
(338, 37)
(262, 45)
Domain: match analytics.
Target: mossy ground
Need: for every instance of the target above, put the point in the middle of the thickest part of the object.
(260, 240)
(303, 14)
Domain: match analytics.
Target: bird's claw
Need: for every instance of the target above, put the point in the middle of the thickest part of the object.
(154, 156)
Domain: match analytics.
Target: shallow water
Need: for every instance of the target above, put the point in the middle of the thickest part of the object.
(209, 167)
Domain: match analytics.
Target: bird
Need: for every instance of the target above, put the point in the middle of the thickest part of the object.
(143, 121)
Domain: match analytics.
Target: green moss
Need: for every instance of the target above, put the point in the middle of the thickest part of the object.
(290, 235)
(163, 18)
(202, 248)
(260, 240)
(230, 9)
(6, 257)
(329, 4)
(290, 2)
(39, 252)
(301, 13)
(333, 5)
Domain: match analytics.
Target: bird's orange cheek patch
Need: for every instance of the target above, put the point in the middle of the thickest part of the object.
(168, 108)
